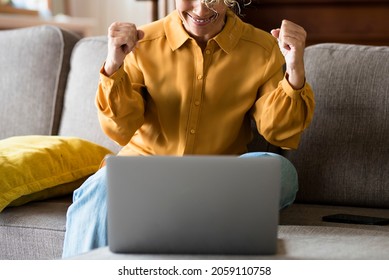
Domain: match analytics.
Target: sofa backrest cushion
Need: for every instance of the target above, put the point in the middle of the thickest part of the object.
(79, 115)
(34, 64)
(343, 157)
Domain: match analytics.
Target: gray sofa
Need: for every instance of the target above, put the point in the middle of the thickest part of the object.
(47, 86)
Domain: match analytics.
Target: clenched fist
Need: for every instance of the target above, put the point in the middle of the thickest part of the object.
(122, 39)
(291, 39)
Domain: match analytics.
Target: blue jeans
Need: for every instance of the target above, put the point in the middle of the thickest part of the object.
(86, 224)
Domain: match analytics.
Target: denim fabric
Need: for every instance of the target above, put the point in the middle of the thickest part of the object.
(86, 224)
(289, 179)
(86, 219)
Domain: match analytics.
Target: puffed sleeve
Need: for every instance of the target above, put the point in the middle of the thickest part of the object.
(120, 104)
(282, 114)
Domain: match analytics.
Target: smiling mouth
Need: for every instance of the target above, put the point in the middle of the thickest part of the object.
(203, 21)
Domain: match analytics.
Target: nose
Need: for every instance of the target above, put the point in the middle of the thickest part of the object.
(200, 8)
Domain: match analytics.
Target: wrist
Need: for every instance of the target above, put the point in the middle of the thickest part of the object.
(296, 77)
(110, 68)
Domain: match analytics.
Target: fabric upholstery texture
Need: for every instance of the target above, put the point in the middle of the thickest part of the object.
(343, 156)
(32, 164)
(33, 231)
(79, 117)
(302, 235)
(31, 100)
(311, 215)
(294, 242)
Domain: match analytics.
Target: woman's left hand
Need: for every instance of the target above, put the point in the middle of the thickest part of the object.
(291, 39)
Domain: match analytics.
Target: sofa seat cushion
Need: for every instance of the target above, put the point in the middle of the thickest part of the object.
(38, 167)
(311, 215)
(332, 243)
(34, 231)
(294, 242)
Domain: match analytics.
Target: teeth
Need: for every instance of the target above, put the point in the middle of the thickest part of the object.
(202, 20)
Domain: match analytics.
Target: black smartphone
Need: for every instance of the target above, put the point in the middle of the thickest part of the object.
(355, 219)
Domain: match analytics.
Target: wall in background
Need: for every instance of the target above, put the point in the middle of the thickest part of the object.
(105, 12)
(341, 21)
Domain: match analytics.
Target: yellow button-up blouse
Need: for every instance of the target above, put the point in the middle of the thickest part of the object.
(172, 98)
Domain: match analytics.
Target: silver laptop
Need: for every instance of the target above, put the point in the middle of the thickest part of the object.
(193, 205)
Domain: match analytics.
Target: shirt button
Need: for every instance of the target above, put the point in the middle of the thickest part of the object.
(192, 131)
(207, 52)
(199, 77)
(197, 103)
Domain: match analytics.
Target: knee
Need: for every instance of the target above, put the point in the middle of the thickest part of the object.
(289, 178)
(289, 183)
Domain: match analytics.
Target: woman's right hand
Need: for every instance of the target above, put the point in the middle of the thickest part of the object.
(122, 39)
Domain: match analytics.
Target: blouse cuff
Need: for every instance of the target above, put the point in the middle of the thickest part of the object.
(290, 91)
(109, 81)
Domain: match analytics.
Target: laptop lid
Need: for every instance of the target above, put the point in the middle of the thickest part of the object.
(193, 204)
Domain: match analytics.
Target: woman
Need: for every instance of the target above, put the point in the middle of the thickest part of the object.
(189, 84)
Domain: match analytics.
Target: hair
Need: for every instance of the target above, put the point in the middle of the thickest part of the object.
(234, 5)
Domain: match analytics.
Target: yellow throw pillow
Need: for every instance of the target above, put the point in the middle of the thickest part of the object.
(39, 167)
